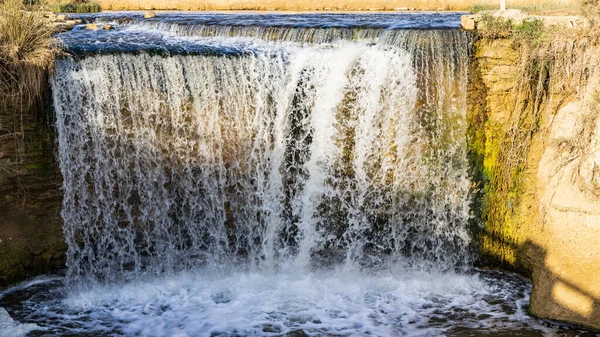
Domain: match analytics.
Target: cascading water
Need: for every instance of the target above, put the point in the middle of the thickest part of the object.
(266, 175)
(351, 150)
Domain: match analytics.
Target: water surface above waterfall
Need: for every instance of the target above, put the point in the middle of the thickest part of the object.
(191, 32)
(416, 20)
(267, 175)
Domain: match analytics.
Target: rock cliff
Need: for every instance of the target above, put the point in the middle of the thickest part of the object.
(31, 239)
(535, 150)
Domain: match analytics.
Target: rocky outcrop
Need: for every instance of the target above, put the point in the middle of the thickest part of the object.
(31, 238)
(98, 26)
(566, 281)
(547, 225)
(60, 23)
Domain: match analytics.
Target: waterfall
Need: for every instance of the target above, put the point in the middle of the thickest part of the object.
(305, 152)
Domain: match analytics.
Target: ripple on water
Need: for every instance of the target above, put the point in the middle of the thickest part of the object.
(331, 303)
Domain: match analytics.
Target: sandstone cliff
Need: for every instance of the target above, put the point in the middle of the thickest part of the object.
(535, 149)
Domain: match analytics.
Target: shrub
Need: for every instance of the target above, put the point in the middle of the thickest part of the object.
(75, 7)
(26, 53)
(25, 49)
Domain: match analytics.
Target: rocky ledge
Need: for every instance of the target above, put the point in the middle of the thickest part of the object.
(60, 22)
(476, 21)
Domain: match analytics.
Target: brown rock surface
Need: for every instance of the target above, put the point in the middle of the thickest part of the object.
(31, 238)
(553, 231)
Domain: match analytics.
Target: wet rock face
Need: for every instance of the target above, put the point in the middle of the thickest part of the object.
(552, 231)
(31, 238)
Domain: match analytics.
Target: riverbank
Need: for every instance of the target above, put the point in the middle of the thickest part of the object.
(534, 135)
(331, 5)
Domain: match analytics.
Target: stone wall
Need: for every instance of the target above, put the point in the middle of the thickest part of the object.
(31, 238)
(549, 223)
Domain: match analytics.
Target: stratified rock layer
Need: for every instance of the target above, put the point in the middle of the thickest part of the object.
(31, 238)
(550, 227)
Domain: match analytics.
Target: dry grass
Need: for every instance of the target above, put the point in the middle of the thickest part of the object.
(535, 7)
(25, 50)
(24, 35)
(311, 5)
(591, 7)
(26, 54)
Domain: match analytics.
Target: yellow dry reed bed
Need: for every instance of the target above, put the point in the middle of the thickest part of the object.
(26, 55)
(25, 51)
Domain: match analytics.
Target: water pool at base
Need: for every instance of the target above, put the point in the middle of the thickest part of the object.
(319, 303)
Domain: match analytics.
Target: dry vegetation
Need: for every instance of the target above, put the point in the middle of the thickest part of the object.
(26, 54)
(591, 7)
(25, 50)
(77, 6)
(534, 7)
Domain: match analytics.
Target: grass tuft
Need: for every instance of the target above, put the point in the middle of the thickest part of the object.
(25, 51)
(25, 37)
(26, 55)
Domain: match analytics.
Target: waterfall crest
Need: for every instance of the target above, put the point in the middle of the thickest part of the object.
(286, 158)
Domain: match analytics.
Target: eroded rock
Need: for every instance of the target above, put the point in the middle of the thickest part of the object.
(553, 228)
(95, 26)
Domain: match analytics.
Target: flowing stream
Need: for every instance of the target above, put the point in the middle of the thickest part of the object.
(266, 175)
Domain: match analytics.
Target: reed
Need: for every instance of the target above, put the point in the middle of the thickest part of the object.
(26, 50)
(26, 55)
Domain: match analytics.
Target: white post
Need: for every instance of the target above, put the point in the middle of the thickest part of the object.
(502, 5)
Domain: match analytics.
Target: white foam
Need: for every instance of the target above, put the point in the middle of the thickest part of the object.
(264, 304)
(10, 328)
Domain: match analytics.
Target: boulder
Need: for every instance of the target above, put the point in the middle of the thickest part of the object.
(59, 27)
(92, 26)
(96, 26)
(149, 14)
(467, 22)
